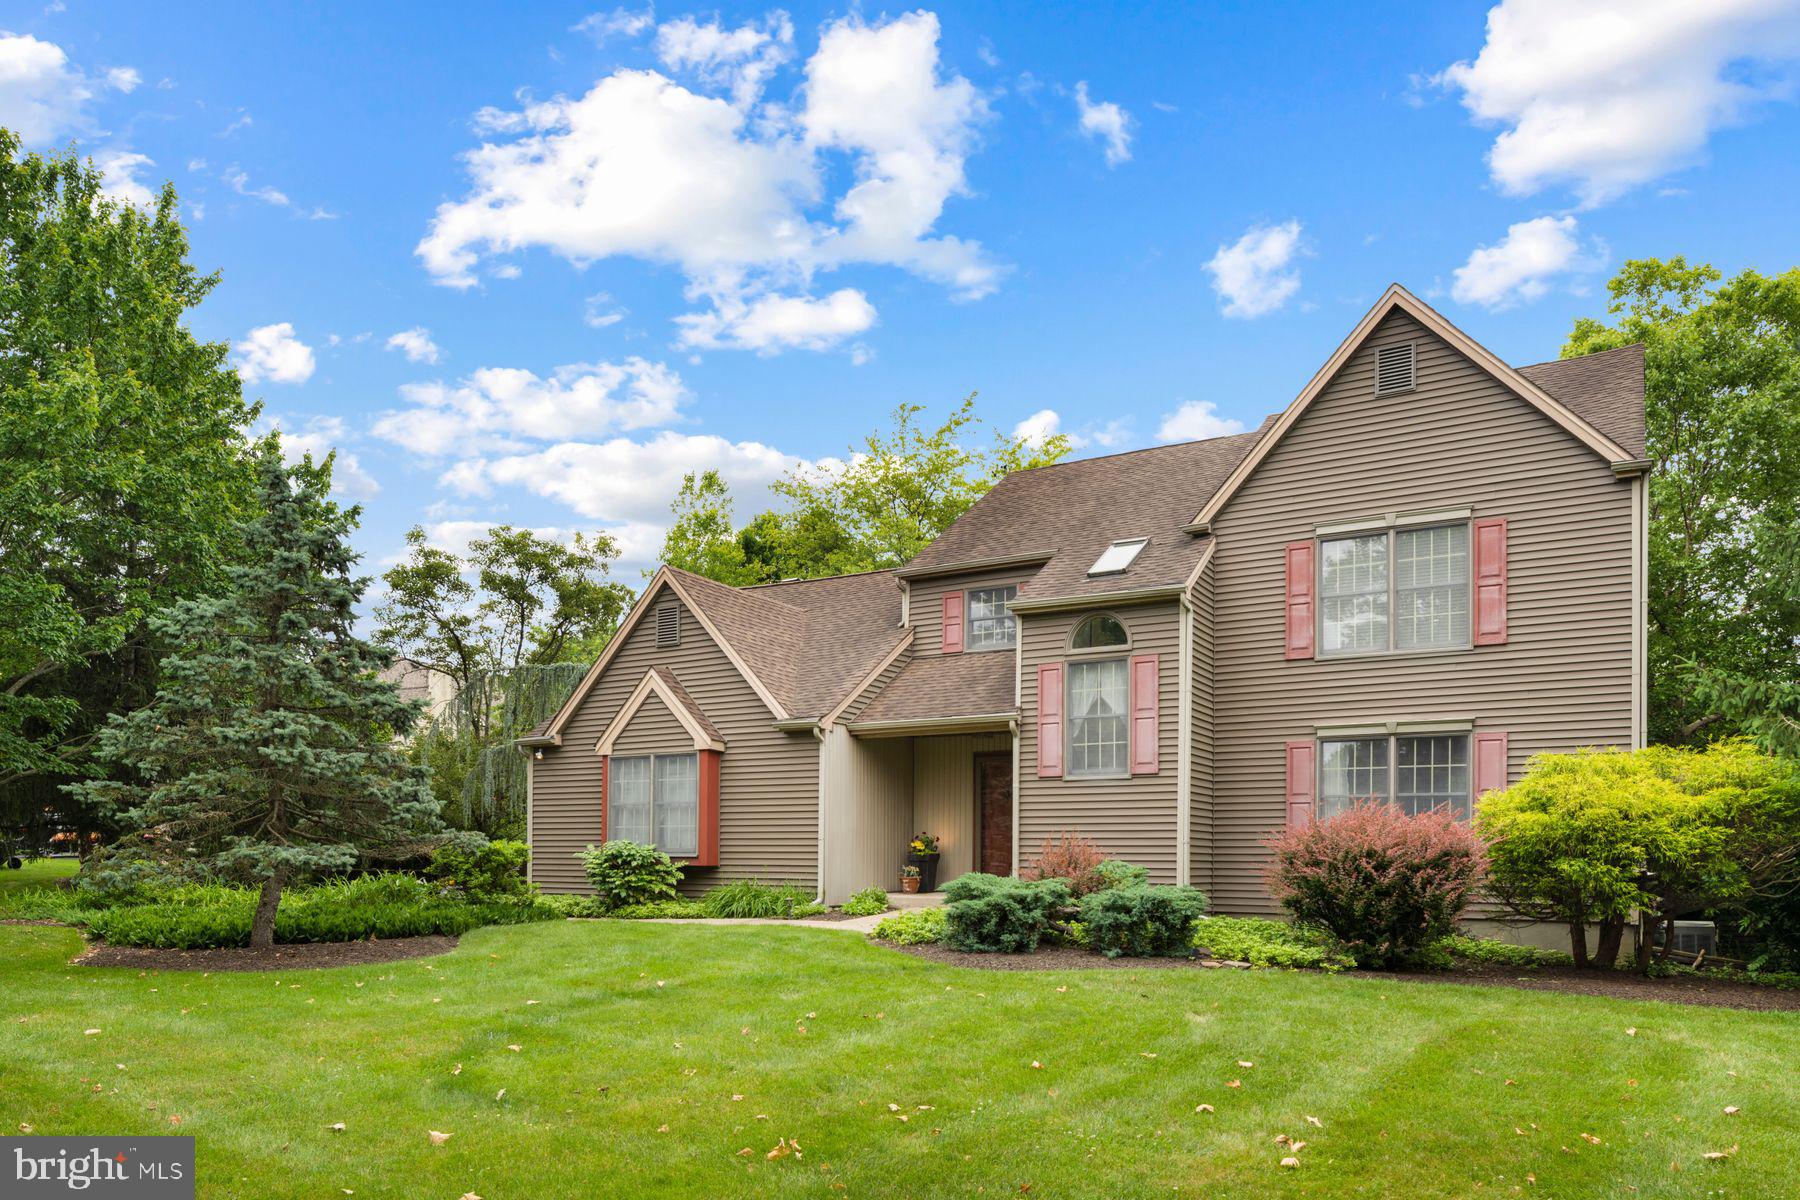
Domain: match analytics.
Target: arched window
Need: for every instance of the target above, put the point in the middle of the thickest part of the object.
(1099, 631)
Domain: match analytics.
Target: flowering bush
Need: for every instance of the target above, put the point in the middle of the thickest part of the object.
(1383, 883)
(1072, 858)
(924, 843)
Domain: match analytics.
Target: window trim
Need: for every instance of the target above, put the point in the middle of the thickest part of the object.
(1392, 524)
(1090, 652)
(1012, 618)
(1070, 719)
(1390, 733)
(653, 756)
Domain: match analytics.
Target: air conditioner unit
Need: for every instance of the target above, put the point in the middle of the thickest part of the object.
(1691, 937)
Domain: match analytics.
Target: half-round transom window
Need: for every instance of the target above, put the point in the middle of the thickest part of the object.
(1099, 631)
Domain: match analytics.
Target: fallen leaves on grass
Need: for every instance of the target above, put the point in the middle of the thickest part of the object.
(1234, 1083)
(1716, 1155)
(500, 1095)
(1290, 1162)
(783, 1148)
(514, 1047)
(1245, 1065)
(336, 1127)
(437, 1138)
(1203, 1108)
(1731, 1110)
(90, 1032)
(1590, 1139)
(1632, 1032)
(1315, 1122)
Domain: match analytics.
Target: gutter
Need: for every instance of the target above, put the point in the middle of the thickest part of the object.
(974, 564)
(1632, 466)
(1173, 591)
(925, 726)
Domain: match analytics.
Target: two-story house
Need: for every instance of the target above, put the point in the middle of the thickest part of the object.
(1429, 567)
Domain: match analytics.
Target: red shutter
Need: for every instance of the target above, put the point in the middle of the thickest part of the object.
(605, 800)
(953, 622)
(1300, 599)
(708, 855)
(1489, 536)
(1301, 783)
(1050, 721)
(1490, 763)
(1145, 706)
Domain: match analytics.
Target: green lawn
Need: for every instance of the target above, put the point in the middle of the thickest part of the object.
(37, 872)
(655, 1053)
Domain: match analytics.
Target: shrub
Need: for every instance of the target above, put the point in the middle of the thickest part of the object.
(992, 914)
(749, 898)
(658, 909)
(574, 906)
(126, 874)
(1501, 954)
(912, 927)
(1385, 884)
(866, 903)
(1264, 943)
(1071, 858)
(1141, 921)
(1116, 872)
(484, 870)
(627, 873)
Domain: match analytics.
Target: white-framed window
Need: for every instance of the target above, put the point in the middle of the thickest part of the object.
(1394, 589)
(991, 625)
(1102, 631)
(1099, 729)
(1418, 772)
(654, 799)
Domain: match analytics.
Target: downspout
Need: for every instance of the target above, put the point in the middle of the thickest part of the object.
(818, 732)
(1184, 740)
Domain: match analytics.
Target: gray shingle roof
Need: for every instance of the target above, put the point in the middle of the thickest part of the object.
(1606, 390)
(946, 685)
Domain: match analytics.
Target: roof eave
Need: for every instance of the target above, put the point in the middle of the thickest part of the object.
(974, 564)
(1099, 599)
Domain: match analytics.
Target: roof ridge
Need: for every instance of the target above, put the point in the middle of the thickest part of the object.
(709, 582)
(1076, 462)
(1552, 362)
(751, 587)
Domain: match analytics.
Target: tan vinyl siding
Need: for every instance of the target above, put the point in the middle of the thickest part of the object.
(653, 729)
(1131, 817)
(927, 609)
(869, 811)
(1564, 678)
(768, 781)
(1200, 792)
(944, 795)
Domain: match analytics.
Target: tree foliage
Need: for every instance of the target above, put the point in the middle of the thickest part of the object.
(1722, 396)
(268, 752)
(1588, 837)
(895, 492)
(123, 461)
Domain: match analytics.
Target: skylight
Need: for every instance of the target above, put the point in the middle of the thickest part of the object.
(1118, 556)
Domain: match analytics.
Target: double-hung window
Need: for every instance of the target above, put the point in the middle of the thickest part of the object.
(1099, 731)
(991, 623)
(654, 799)
(1417, 772)
(1396, 589)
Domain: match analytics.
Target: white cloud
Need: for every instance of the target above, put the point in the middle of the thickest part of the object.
(731, 189)
(239, 182)
(1256, 274)
(1194, 420)
(1046, 423)
(272, 352)
(600, 311)
(319, 436)
(770, 323)
(118, 168)
(496, 408)
(1107, 122)
(626, 480)
(42, 97)
(620, 22)
(1522, 265)
(416, 344)
(123, 79)
(1039, 427)
(1605, 95)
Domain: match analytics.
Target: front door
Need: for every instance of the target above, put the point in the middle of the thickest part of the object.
(994, 808)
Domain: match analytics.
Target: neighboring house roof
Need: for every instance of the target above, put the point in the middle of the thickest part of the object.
(938, 686)
(1606, 389)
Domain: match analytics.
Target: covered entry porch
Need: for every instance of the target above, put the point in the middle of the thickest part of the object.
(883, 783)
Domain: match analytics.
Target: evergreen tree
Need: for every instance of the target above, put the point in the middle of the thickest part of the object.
(268, 752)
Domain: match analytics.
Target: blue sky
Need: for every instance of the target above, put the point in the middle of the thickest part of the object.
(616, 244)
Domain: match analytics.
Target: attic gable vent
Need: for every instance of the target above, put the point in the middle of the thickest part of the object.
(1396, 369)
(668, 624)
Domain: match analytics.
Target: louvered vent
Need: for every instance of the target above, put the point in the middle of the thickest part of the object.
(1395, 369)
(668, 625)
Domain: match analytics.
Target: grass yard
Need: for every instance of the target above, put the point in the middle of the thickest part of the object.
(576, 1059)
(38, 872)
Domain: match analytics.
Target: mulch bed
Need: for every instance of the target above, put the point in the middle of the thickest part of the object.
(1618, 985)
(302, 956)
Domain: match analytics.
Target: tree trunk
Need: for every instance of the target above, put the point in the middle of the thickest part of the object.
(262, 926)
(1612, 934)
(1578, 942)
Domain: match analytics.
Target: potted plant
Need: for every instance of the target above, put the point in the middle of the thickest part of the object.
(909, 878)
(922, 852)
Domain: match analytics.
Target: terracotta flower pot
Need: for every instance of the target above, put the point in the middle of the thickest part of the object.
(909, 883)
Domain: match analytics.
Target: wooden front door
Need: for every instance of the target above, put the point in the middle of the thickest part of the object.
(994, 813)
